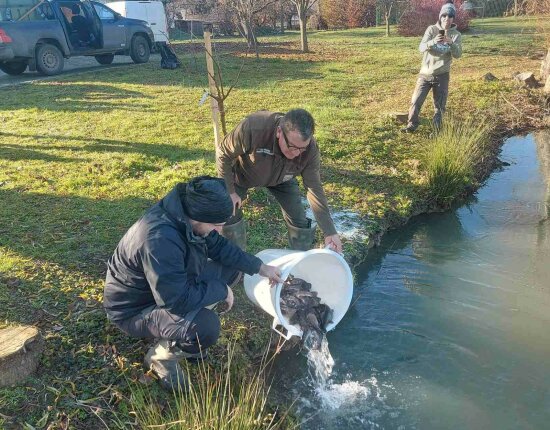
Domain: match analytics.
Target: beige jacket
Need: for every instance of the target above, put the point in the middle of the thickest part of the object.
(437, 58)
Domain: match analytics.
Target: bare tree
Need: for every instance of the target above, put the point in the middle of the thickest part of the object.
(246, 10)
(302, 9)
(386, 7)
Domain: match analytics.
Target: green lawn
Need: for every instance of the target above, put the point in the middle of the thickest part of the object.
(82, 156)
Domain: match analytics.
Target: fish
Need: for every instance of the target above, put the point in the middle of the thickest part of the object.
(303, 307)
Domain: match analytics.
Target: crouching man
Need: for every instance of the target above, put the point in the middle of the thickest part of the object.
(169, 267)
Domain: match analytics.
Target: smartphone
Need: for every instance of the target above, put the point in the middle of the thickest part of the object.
(442, 32)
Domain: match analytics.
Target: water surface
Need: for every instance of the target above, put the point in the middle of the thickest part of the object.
(451, 324)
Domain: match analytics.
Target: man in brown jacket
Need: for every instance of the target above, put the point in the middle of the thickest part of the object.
(269, 149)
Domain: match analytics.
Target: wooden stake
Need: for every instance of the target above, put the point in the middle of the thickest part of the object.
(212, 85)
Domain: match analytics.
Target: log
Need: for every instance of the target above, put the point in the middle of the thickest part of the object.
(20, 351)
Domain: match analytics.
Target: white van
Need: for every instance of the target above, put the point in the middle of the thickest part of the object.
(150, 11)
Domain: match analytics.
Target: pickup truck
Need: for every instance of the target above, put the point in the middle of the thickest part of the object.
(57, 29)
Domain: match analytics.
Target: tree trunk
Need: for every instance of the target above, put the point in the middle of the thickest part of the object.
(248, 30)
(282, 17)
(545, 67)
(214, 105)
(303, 30)
(387, 16)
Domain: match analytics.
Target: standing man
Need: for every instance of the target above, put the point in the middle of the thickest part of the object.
(160, 282)
(441, 43)
(269, 149)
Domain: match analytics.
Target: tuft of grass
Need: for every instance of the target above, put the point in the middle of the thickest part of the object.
(451, 156)
(226, 399)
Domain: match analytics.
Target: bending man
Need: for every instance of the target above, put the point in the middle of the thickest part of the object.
(269, 149)
(160, 281)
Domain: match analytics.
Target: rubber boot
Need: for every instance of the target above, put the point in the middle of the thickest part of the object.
(162, 358)
(301, 239)
(236, 233)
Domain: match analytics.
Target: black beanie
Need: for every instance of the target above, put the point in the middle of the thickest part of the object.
(206, 200)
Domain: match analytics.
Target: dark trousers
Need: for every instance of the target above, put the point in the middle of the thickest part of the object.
(440, 90)
(289, 198)
(193, 331)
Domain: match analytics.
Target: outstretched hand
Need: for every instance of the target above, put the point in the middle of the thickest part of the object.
(237, 202)
(334, 243)
(271, 272)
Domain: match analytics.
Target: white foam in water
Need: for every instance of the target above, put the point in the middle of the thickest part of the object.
(333, 396)
(320, 363)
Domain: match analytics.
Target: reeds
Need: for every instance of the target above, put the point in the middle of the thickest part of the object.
(451, 155)
(221, 400)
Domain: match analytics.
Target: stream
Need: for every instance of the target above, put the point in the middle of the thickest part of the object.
(450, 326)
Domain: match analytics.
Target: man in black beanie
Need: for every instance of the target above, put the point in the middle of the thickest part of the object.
(169, 268)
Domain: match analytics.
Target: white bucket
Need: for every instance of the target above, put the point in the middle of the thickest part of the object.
(326, 271)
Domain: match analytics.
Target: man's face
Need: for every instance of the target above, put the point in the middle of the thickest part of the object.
(291, 143)
(203, 229)
(446, 21)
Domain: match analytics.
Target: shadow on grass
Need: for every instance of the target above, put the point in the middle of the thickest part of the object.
(74, 97)
(75, 233)
(33, 152)
(16, 153)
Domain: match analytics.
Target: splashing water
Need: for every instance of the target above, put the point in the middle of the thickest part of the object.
(320, 362)
(331, 395)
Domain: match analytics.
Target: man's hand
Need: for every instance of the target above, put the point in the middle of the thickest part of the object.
(448, 40)
(334, 243)
(271, 272)
(237, 202)
(440, 38)
(229, 300)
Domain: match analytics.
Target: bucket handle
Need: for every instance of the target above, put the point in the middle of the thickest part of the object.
(274, 327)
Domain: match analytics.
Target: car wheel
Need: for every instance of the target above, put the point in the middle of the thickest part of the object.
(16, 68)
(105, 58)
(140, 50)
(49, 60)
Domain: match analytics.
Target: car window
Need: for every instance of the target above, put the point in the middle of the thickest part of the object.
(103, 12)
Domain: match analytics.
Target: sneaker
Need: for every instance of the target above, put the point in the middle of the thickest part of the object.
(162, 359)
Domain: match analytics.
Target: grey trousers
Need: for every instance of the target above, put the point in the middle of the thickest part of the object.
(439, 85)
(194, 331)
(289, 198)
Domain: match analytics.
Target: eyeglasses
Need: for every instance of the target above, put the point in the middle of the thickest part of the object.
(293, 147)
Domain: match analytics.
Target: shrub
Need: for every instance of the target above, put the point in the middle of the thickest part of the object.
(450, 158)
(422, 13)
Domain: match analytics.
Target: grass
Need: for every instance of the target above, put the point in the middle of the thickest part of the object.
(450, 158)
(83, 155)
(224, 400)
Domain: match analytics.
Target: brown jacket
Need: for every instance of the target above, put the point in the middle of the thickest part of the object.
(249, 156)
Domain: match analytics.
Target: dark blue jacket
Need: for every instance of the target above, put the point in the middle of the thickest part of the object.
(159, 260)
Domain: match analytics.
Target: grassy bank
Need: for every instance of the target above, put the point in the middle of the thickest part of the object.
(82, 156)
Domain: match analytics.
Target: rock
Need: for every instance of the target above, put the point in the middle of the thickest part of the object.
(400, 117)
(488, 77)
(527, 79)
(547, 86)
(20, 351)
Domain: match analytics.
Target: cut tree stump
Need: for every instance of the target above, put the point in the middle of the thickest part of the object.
(20, 350)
